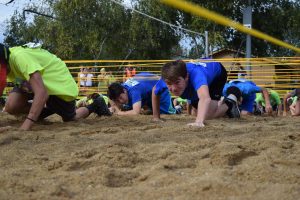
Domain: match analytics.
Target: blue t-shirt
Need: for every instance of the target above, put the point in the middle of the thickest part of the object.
(166, 105)
(161, 86)
(248, 89)
(200, 74)
(139, 88)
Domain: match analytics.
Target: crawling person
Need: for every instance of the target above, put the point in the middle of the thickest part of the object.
(44, 79)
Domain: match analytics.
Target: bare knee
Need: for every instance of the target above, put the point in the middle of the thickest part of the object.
(16, 104)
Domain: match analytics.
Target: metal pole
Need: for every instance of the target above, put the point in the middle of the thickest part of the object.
(206, 44)
(247, 21)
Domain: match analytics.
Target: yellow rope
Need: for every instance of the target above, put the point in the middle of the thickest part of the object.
(203, 12)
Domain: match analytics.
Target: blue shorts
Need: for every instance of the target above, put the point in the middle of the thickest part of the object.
(248, 103)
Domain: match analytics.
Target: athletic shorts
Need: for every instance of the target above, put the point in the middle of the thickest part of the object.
(248, 103)
(216, 87)
(54, 105)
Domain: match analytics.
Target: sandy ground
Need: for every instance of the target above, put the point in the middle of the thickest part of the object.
(134, 158)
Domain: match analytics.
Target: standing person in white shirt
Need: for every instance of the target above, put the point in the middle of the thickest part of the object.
(89, 78)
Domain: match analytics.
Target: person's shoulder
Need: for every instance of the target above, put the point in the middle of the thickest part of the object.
(14, 51)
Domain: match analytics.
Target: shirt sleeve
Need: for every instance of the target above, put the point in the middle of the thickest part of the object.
(27, 65)
(136, 95)
(197, 78)
(160, 87)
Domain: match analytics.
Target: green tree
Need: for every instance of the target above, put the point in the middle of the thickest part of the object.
(149, 38)
(278, 18)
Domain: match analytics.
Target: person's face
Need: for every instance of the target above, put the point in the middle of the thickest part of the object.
(123, 98)
(178, 86)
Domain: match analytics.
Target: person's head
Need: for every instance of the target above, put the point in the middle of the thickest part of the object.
(296, 92)
(4, 56)
(117, 93)
(93, 96)
(235, 91)
(102, 71)
(176, 76)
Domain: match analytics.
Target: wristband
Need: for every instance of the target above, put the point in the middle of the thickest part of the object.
(31, 119)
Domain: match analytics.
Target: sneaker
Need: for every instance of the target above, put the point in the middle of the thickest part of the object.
(257, 110)
(99, 107)
(178, 109)
(233, 109)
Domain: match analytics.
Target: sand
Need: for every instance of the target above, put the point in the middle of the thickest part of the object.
(134, 158)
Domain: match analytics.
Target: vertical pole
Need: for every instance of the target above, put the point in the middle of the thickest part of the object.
(206, 44)
(247, 21)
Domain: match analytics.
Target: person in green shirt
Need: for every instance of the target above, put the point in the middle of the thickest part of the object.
(44, 79)
(295, 106)
(89, 99)
(274, 100)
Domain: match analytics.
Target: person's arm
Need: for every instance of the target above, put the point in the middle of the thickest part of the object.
(279, 109)
(203, 106)
(285, 98)
(266, 96)
(136, 109)
(155, 105)
(39, 100)
(189, 107)
(175, 102)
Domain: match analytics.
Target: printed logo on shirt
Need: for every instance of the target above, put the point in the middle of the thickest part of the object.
(200, 63)
(131, 82)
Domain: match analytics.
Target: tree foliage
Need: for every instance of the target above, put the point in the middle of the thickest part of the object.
(102, 29)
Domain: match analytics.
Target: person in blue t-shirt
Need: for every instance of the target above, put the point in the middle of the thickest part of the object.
(135, 94)
(245, 91)
(202, 84)
(158, 96)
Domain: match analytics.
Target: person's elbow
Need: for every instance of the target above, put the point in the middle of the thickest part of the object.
(205, 99)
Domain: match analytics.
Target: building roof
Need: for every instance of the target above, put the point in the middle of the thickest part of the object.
(222, 52)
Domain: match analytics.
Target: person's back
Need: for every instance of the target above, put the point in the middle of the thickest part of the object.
(247, 87)
(140, 88)
(56, 76)
(200, 74)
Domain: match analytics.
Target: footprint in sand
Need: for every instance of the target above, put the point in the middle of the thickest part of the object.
(117, 178)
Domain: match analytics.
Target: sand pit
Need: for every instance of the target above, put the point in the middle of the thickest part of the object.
(134, 158)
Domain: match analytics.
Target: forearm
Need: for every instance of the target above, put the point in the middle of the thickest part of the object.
(37, 106)
(39, 100)
(129, 112)
(189, 109)
(202, 110)
(155, 106)
(285, 104)
(266, 96)
(279, 109)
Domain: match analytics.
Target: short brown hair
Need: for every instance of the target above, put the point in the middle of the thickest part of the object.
(173, 70)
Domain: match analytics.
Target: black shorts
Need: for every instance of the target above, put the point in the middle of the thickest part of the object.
(216, 87)
(54, 105)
